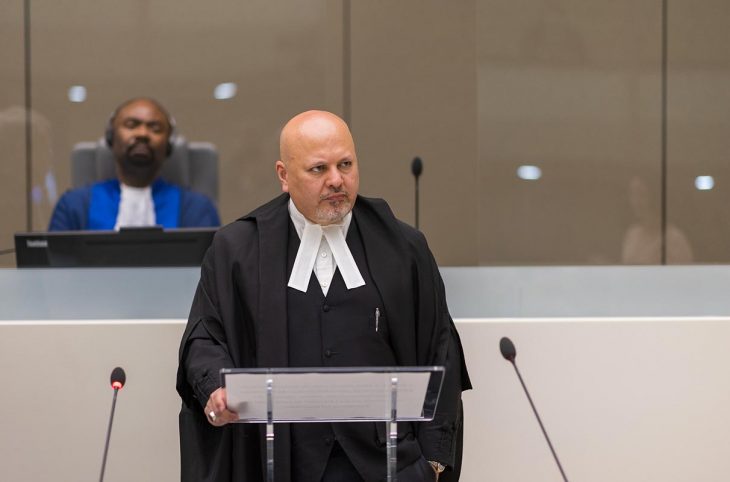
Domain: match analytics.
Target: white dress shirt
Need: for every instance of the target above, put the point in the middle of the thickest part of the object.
(136, 207)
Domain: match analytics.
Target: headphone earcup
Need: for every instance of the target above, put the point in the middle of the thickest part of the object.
(109, 135)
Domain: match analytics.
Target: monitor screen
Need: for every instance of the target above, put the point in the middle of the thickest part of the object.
(148, 246)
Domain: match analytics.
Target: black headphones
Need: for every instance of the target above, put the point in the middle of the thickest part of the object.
(109, 132)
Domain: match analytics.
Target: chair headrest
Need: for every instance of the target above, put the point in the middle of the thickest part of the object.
(192, 165)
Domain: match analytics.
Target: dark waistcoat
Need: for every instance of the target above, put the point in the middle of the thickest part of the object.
(338, 330)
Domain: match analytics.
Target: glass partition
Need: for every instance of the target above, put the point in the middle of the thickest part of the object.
(13, 124)
(229, 72)
(540, 123)
(569, 131)
(698, 129)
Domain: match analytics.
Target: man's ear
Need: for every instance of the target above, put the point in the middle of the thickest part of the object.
(281, 174)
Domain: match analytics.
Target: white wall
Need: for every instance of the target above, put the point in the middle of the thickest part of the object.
(622, 400)
(56, 399)
(630, 399)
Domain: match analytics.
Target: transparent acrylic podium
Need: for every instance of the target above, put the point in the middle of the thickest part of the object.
(357, 394)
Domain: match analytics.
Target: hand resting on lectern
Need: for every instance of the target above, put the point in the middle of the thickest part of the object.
(216, 410)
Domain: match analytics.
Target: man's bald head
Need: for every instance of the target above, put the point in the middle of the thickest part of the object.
(318, 166)
(311, 129)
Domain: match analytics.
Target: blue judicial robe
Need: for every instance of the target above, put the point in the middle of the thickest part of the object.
(95, 207)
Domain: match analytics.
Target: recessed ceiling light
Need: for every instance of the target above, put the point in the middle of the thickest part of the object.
(226, 90)
(77, 93)
(529, 173)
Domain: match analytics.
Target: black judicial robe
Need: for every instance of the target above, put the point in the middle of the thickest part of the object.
(239, 319)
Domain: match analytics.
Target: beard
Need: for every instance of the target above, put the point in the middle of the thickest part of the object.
(140, 164)
(332, 213)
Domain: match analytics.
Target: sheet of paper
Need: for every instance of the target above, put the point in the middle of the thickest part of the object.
(326, 396)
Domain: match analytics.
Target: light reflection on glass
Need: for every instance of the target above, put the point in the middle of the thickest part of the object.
(704, 183)
(529, 173)
(226, 90)
(77, 93)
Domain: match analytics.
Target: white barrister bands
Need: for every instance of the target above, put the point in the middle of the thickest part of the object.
(343, 257)
(136, 207)
(316, 239)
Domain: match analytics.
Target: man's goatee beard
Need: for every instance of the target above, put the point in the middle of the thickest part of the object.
(330, 215)
(141, 173)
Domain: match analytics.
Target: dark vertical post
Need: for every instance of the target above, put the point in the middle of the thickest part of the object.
(269, 430)
(417, 170)
(346, 60)
(417, 204)
(28, 120)
(665, 194)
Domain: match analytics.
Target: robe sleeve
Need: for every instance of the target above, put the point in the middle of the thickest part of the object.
(197, 210)
(439, 438)
(209, 344)
(204, 350)
(69, 214)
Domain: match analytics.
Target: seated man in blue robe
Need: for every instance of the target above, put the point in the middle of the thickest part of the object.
(138, 134)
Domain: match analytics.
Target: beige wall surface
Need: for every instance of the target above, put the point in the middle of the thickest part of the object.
(476, 88)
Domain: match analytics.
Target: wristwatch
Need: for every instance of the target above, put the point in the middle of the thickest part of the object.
(437, 467)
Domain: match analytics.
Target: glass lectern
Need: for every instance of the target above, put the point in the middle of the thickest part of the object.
(356, 394)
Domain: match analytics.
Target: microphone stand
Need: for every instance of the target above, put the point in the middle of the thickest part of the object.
(509, 352)
(108, 435)
(529, 398)
(416, 170)
(417, 203)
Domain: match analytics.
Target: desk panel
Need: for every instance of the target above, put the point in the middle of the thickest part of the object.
(631, 399)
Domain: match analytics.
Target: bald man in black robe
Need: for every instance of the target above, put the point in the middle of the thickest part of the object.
(383, 304)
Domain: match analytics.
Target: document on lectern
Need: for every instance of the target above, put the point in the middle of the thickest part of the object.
(333, 395)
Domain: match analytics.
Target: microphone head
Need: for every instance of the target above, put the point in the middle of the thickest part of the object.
(118, 378)
(509, 352)
(417, 166)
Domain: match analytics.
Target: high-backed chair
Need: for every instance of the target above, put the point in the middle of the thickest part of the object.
(193, 165)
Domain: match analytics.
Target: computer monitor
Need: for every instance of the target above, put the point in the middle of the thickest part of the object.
(147, 246)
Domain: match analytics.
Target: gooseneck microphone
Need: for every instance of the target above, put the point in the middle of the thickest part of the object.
(118, 379)
(416, 170)
(509, 352)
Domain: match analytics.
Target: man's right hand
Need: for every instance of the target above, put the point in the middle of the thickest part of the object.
(216, 411)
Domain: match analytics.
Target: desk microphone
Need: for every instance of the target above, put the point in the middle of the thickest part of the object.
(118, 379)
(416, 170)
(509, 352)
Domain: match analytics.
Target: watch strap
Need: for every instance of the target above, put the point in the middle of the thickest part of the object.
(437, 467)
